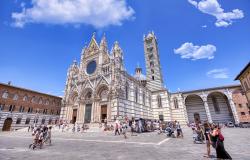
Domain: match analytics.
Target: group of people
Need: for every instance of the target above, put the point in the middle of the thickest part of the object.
(42, 134)
(212, 134)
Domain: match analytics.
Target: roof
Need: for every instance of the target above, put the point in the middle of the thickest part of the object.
(242, 71)
(29, 90)
(212, 88)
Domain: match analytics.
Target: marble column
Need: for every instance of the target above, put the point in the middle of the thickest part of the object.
(233, 108)
(204, 98)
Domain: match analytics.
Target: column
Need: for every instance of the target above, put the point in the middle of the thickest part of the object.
(233, 108)
(204, 98)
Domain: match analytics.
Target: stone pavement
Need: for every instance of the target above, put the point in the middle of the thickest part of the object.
(106, 146)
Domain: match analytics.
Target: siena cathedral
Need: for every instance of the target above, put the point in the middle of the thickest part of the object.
(99, 88)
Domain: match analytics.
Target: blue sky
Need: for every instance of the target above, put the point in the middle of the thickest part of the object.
(201, 43)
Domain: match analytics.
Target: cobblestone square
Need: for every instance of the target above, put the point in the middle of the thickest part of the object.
(106, 146)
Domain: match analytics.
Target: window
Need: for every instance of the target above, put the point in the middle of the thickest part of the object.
(176, 103)
(126, 91)
(21, 109)
(10, 108)
(47, 102)
(240, 105)
(5, 95)
(15, 97)
(215, 104)
(149, 100)
(13, 108)
(159, 101)
(136, 94)
(242, 113)
(18, 121)
(153, 77)
(30, 110)
(91, 67)
(25, 98)
(33, 100)
(40, 101)
(151, 64)
(152, 71)
(27, 121)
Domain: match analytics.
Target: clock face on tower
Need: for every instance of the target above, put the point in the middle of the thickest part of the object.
(91, 67)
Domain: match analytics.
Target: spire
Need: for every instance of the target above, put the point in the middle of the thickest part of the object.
(116, 50)
(103, 44)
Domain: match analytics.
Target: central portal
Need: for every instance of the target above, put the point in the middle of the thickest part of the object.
(103, 113)
(87, 117)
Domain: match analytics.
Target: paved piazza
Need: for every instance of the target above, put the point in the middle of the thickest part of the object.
(106, 146)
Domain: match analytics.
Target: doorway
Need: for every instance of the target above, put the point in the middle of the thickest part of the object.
(7, 124)
(74, 116)
(87, 117)
(197, 118)
(103, 113)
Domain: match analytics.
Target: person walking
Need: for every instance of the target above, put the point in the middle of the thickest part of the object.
(179, 130)
(117, 124)
(207, 132)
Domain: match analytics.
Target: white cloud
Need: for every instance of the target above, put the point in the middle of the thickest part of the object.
(98, 13)
(218, 73)
(190, 51)
(212, 7)
(204, 26)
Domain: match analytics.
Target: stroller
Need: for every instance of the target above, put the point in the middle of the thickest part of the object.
(197, 137)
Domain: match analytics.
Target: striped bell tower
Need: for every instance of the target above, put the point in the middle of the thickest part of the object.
(153, 67)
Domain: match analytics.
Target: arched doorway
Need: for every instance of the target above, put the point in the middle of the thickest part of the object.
(219, 107)
(7, 124)
(195, 109)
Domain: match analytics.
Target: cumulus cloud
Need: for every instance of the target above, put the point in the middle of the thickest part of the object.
(190, 51)
(218, 73)
(98, 13)
(212, 7)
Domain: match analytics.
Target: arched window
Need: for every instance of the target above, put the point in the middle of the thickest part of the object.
(21, 109)
(25, 98)
(176, 103)
(136, 94)
(159, 101)
(15, 97)
(10, 108)
(215, 104)
(88, 95)
(153, 77)
(33, 100)
(5, 95)
(40, 101)
(47, 102)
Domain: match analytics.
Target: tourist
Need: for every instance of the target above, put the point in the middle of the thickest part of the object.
(49, 135)
(217, 142)
(207, 132)
(117, 126)
(179, 130)
(124, 129)
(133, 127)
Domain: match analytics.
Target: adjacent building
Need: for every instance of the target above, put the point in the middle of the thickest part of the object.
(99, 87)
(21, 107)
(244, 77)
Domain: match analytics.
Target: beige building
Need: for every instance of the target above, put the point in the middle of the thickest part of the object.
(244, 77)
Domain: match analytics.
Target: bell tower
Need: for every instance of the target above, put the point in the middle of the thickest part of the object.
(152, 59)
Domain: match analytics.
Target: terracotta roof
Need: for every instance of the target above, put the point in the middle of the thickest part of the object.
(242, 71)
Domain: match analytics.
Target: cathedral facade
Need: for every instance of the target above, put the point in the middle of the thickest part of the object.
(99, 88)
